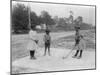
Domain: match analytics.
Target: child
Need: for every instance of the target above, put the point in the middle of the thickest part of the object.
(32, 45)
(47, 40)
(81, 46)
(76, 43)
(77, 37)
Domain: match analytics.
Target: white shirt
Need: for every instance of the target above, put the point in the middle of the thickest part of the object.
(32, 44)
(82, 44)
(32, 34)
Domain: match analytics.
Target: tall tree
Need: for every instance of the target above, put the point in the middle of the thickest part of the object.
(80, 19)
(62, 22)
(34, 19)
(56, 19)
(20, 18)
(46, 18)
(71, 17)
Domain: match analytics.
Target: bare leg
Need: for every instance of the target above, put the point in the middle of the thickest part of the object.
(49, 50)
(45, 49)
(34, 55)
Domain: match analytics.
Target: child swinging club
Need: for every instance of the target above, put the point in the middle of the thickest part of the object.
(77, 36)
(80, 47)
(76, 42)
(80, 42)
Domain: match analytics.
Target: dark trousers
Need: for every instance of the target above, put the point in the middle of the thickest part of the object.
(78, 52)
(47, 46)
(32, 53)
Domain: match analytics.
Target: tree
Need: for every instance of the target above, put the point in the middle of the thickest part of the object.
(71, 17)
(56, 19)
(80, 19)
(46, 18)
(78, 22)
(61, 22)
(34, 19)
(20, 18)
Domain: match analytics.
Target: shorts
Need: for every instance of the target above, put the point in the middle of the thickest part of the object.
(76, 42)
(47, 44)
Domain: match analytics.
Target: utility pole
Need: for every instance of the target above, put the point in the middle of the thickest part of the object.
(29, 18)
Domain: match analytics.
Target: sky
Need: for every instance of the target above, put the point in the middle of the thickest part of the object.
(61, 10)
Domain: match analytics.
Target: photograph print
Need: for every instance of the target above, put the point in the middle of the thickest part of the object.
(52, 37)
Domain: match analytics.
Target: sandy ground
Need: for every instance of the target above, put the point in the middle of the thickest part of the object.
(23, 64)
(19, 43)
(55, 61)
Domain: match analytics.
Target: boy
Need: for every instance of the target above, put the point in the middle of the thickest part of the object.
(47, 40)
(80, 47)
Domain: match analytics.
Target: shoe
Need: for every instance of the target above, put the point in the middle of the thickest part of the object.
(34, 58)
(78, 57)
(73, 56)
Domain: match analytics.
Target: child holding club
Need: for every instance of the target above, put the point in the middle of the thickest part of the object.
(77, 34)
(80, 47)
